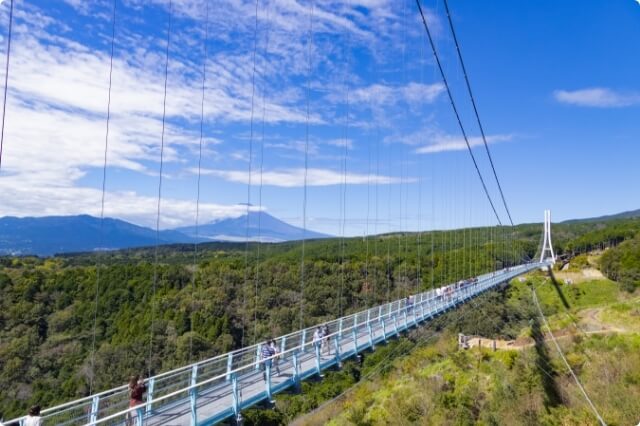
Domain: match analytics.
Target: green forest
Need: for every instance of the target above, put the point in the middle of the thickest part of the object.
(208, 299)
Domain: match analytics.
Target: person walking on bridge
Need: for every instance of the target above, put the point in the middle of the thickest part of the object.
(33, 418)
(274, 352)
(137, 388)
(266, 353)
(317, 338)
(326, 337)
(409, 304)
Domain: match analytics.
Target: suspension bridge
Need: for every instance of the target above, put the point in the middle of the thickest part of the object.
(216, 389)
(219, 388)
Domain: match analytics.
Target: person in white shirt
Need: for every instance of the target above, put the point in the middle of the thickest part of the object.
(33, 418)
(317, 338)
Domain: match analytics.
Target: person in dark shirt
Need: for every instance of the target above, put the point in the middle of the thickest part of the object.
(266, 353)
(137, 388)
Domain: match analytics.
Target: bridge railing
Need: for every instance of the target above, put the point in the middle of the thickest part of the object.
(221, 370)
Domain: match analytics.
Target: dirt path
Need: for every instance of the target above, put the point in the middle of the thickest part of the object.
(589, 322)
(586, 274)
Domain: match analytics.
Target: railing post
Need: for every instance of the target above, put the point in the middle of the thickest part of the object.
(302, 340)
(193, 395)
(406, 320)
(384, 329)
(395, 324)
(258, 356)
(369, 328)
(95, 405)
(337, 344)
(283, 347)
(229, 366)
(354, 332)
(379, 312)
(340, 328)
(234, 391)
(267, 370)
(150, 388)
(296, 370)
(316, 348)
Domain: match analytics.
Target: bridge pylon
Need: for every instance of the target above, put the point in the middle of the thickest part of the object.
(546, 244)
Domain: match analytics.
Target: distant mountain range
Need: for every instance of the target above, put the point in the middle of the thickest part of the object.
(624, 215)
(49, 235)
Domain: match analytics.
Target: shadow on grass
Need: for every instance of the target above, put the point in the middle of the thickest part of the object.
(543, 362)
(556, 285)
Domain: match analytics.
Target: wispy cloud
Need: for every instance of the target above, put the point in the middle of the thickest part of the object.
(386, 95)
(599, 97)
(341, 143)
(36, 200)
(443, 143)
(291, 178)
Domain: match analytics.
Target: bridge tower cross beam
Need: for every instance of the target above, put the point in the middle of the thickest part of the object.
(546, 244)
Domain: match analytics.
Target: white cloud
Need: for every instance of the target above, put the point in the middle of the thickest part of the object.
(291, 178)
(385, 95)
(600, 97)
(340, 143)
(58, 97)
(442, 143)
(20, 200)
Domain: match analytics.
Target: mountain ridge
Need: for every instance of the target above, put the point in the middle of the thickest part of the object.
(622, 215)
(50, 235)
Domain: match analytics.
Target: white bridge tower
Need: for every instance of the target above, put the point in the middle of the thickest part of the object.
(546, 245)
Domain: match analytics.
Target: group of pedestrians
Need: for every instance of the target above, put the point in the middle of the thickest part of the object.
(321, 339)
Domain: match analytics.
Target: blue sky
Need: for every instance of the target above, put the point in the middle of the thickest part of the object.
(556, 84)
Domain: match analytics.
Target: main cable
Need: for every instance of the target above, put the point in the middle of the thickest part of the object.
(455, 110)
(475, 109)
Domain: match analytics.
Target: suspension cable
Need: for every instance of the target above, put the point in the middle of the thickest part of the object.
(343, 189)
(164, 119)
(475, 109)
(6, 79)
(306, 161)
(104, 186)
(260, 186)
(197, 215)
(246, 247)
(455, 110)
